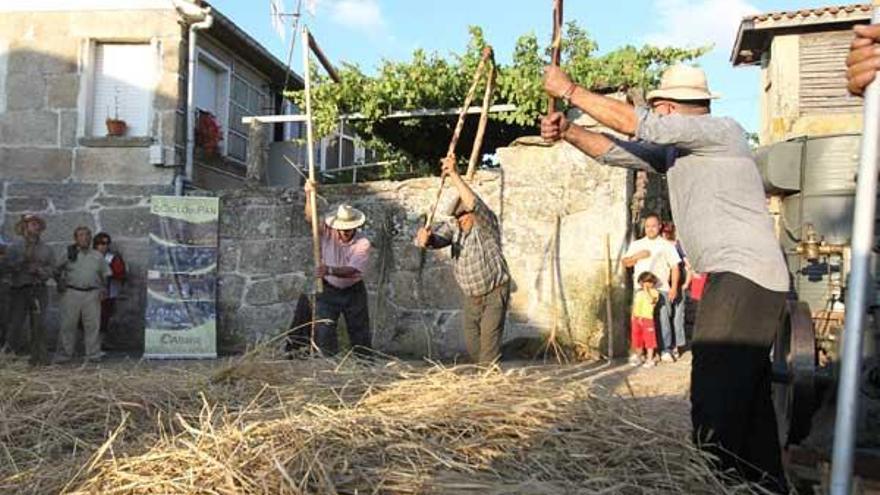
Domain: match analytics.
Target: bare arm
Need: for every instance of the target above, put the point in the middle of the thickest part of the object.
(465, 193)
(427, 239)
(630, 261)
(688, 275)
(611, 113)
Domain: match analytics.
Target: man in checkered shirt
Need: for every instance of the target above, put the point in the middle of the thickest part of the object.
(479, 266)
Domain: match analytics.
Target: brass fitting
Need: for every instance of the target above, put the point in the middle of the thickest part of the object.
(812, 246)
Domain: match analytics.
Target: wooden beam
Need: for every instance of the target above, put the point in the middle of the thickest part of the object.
(325, 62)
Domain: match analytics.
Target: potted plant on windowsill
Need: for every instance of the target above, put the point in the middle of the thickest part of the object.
(116, 127)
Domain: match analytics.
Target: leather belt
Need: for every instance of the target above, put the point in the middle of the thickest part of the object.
(82, 289)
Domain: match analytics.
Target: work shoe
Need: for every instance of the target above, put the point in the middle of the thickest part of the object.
(635, 360)
(666, 357)
(95, 358)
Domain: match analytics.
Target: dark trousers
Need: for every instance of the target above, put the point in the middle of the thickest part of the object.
(26, 332)
(731, 406)
(350, 302)
(483, 322)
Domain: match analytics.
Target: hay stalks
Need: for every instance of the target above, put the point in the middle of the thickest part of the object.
(331, 426)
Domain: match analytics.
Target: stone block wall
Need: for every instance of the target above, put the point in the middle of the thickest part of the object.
(121, 210)
(46, 63)
(556, 208)
(50, 165)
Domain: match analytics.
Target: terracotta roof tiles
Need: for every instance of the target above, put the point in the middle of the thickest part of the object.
(818, 11)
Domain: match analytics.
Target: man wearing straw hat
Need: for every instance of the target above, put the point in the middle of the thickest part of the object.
(30, 264)
(478, 264)
(345, 253)
(718, 204)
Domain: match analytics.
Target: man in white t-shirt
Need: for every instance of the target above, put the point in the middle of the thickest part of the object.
(652, 253)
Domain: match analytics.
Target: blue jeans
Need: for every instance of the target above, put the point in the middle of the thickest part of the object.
(678, 310)
(669, 311)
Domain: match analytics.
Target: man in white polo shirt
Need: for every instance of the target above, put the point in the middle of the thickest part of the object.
(652, 253)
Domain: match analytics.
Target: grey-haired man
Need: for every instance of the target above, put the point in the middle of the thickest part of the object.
(479, 267)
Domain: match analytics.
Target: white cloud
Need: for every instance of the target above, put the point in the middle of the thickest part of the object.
(361, 15)
(692, 23)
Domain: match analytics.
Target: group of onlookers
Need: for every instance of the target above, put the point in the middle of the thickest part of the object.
(88, 277)
(664, 282)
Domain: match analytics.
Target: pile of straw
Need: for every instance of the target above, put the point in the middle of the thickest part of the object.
(327, 426)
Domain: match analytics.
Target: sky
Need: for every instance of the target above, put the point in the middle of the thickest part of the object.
(365, 32)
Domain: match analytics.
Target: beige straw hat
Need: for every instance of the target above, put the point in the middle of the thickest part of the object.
(27, 218)
(683, 83)
(346, 218)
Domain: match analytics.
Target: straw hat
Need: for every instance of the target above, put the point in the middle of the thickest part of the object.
(346, 218)
(27, 218)
(683, 83)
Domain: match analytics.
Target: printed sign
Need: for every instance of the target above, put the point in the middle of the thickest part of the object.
(181, 310)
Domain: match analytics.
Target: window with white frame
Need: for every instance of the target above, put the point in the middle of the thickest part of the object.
(212, 92)
(341, 150)
(245, 100)
(123, 81)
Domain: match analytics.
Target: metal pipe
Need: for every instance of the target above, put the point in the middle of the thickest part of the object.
(856, 298)
(205, 23)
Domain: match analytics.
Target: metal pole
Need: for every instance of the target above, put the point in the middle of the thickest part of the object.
(339, 145)
(310, 152)
(856, 297)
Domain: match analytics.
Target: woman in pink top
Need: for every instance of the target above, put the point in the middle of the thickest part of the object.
(345, 253)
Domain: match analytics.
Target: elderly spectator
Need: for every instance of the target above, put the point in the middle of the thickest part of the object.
(102, 244)
(84, 273)
(30, 264)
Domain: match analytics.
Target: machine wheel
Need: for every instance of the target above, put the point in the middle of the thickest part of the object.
(794, 373)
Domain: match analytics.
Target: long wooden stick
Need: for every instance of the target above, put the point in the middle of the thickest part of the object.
(310, 153)
(556, 54)
(487, 53)
(477, 148)
(609, 292)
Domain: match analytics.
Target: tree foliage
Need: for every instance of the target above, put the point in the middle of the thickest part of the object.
(430, 80)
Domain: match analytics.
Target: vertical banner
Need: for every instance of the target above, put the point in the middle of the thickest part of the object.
(182, 278)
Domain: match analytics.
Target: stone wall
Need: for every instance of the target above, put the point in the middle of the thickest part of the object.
(556, 208)
(121, 210)
(46, 65)
(49, 162)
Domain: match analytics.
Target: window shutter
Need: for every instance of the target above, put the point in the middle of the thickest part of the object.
(124, 80)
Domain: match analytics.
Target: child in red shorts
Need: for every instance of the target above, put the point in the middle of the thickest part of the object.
(643, 335)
